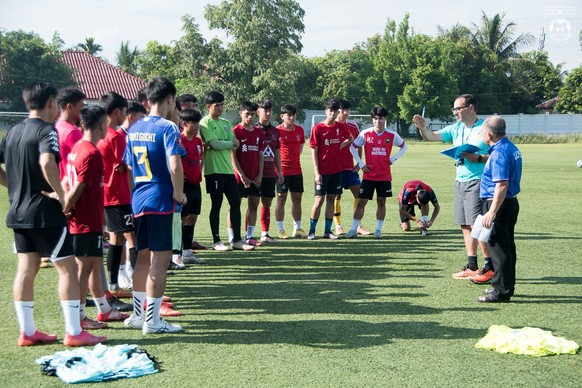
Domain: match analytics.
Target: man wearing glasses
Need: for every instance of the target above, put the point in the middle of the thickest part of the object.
(468, 177)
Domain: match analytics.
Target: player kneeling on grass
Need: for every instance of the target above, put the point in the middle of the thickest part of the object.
(84, 206)
(377, 142)
(417, 193)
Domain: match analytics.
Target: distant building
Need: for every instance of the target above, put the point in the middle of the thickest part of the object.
(95, 77)
(548, 106)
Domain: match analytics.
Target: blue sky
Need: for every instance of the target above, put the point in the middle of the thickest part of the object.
(329, 24)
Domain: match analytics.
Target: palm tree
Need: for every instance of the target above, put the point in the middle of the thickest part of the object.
(89, 46)
(499, 37)
(126, 58)
(455, 33)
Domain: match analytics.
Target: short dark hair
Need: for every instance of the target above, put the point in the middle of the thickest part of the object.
(248, 105)
(186, 98)
(265, 104)
(379, 111)
(112, 101)
(213, 97)
(332, 104)
(190, 115)
(423, 196)
(91, 116)
(69, 95)
(135, 107)
(495, 125)
(289, 109)
(141, 95)
(345, 104)
(469, 100)
(159, 88)
(38, 94)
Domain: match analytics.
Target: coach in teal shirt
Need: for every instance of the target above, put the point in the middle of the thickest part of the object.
(469, 167)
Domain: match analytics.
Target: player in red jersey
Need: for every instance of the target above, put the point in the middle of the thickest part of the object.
(84, 203)
(135, 112)
(326, 140)
(70, 102)
(271, 167)
(192, 164)
(417, 193)
(377, 142)
(350, 177)
(247, 161)
(292, 138)
(117, 196)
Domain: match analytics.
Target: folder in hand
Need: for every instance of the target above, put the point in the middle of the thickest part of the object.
(455, 152)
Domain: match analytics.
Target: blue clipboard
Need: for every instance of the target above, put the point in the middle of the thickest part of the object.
(455, 152)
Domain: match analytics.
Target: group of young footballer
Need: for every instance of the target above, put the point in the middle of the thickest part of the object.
(137, 167)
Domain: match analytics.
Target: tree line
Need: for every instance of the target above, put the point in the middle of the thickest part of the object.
(399, 69)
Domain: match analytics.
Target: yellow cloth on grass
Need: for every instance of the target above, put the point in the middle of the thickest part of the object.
(530, 341)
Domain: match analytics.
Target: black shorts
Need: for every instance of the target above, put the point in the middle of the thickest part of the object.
(194, 196)
(253, 191)
(382, 188)
(88, 244)
(410, 209)
(154, 232)
(268, 187)
(331, 184)
(292, 183)
(218, 184)
(54, 243)
(119, 218)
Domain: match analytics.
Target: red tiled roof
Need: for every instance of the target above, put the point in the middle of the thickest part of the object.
(549, 104)
(96, 77)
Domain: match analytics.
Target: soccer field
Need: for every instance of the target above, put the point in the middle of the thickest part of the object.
(361, 312)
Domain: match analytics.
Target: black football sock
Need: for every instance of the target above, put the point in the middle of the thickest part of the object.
(472, 264)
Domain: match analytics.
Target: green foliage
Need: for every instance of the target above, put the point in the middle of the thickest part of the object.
(26, 58)
(535, 79)
(90, 46)
(156, 60)
(571, 93)
(263, 36)
(499, 37)
(126, 58)
(343, 74)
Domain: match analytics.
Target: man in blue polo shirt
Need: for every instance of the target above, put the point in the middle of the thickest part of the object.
(500, 184)
(469, 169)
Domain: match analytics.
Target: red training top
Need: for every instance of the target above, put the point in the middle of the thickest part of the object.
(85, 164)
(192, 161)
(116, 184)
(247, 154)
(291, 142)
(327, 141)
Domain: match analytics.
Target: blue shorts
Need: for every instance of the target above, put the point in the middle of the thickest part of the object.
(350, 178)
(154, 232)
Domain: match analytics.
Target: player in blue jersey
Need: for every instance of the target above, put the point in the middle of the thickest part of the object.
(153, 156)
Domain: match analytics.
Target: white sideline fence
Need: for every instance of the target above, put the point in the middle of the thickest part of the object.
(517, 125)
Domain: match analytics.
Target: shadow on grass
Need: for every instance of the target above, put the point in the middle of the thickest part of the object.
(553, 280)
(325, 333)
(545, 236)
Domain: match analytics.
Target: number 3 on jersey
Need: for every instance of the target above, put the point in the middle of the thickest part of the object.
(144, 172)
